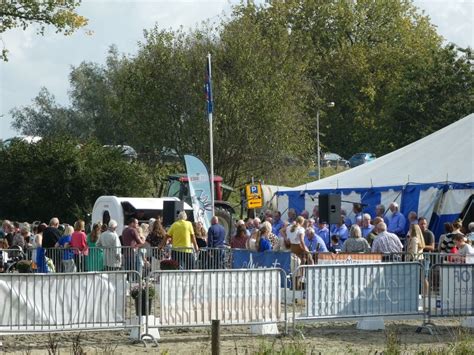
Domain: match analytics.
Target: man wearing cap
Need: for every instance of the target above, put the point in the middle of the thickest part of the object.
(109, 240)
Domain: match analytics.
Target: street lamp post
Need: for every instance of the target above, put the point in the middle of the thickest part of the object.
(329, 104)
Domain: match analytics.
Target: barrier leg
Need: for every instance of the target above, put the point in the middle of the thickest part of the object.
(374, 323)
(264, 329)
(468, 322)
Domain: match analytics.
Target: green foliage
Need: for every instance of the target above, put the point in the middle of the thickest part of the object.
(274, 67)
(294, 347)
(44, 118)
(23, 13)
(393, 343)
(61, 178)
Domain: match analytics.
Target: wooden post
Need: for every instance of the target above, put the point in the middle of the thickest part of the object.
(216, 337)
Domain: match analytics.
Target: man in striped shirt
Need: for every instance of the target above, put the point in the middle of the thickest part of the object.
(386, 242)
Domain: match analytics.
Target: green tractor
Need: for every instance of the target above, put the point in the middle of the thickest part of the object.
(177, 186)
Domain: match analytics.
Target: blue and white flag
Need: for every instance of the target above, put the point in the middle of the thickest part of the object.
(199, 190)
(208, 86)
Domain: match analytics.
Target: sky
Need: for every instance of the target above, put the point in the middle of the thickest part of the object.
(46, 61)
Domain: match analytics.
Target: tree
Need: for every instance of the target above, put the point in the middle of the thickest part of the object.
(274, 67)
(44, 118)
(23, 13)
(61, 178)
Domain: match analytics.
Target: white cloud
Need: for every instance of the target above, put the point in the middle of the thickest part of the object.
(453, 19)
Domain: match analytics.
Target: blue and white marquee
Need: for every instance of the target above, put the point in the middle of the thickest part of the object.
(433, 176)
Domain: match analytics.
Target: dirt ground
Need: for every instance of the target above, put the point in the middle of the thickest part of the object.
(320, 337)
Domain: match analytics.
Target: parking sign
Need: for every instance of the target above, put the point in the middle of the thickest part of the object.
(254, 196)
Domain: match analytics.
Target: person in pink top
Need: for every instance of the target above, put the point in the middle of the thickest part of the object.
(79, 244)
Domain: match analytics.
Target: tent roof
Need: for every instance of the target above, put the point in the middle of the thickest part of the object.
(445, 155)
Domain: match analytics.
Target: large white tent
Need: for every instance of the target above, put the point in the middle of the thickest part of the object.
(433, 176)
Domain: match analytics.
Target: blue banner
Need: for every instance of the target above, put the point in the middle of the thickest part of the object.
(246, 259)
(199, 189)
(208, 86)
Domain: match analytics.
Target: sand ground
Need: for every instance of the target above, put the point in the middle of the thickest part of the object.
(319, 337)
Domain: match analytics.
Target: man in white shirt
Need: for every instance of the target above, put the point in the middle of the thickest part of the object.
(465, 251)
(109, 240)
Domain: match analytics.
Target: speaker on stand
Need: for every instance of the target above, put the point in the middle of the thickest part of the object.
(171, 209)
(330, 208)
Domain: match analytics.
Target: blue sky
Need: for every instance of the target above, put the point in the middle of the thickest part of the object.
(36, 61)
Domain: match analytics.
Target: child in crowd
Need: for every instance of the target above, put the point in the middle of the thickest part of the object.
(335, 245)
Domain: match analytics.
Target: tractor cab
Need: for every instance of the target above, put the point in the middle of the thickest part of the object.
(177, 185)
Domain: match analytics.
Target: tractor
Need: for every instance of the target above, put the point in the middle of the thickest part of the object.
(177, 185)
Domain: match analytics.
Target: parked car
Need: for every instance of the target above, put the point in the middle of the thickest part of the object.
(361, 158)
(26, 139)
(128, 152)
(334, 160)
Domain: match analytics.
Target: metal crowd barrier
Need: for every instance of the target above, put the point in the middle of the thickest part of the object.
(193, 298)
(454, 294)
(62, 302)
(148, 259)
(358, 290)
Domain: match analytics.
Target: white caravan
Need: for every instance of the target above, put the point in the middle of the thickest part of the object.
(122, 209)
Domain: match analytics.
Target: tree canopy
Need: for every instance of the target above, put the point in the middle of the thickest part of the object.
(275, 66)
(22, 13)
(58, 177)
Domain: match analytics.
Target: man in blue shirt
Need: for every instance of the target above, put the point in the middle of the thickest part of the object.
(215, 234)
(341, 230)
(323, 232)
(366, 226)
(216, 239)
(397, 222)
(314, 242)
(277, 223)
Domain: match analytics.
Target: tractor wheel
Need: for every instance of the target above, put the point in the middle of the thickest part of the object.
(225, 219)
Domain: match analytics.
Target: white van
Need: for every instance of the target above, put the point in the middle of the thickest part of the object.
(123, 208)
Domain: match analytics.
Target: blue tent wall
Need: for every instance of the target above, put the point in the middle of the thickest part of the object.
(410, 199)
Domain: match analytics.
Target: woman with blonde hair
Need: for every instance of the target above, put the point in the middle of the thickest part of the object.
(295, 234)
(67, 263)
(262, 241)
(271, 237)
(355, 243)
(416, 243)
(200, 234)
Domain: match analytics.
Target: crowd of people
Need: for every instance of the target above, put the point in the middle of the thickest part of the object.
(303, 235)
(306, 234)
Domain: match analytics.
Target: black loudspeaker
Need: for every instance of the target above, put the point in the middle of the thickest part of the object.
(171, 210)
(330, 208)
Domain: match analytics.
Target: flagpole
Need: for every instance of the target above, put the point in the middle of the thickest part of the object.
(211, 143)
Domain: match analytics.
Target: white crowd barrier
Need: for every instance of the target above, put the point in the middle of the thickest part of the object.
(235, 297)
(64, 302)
(193, 298)
(359, 290)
